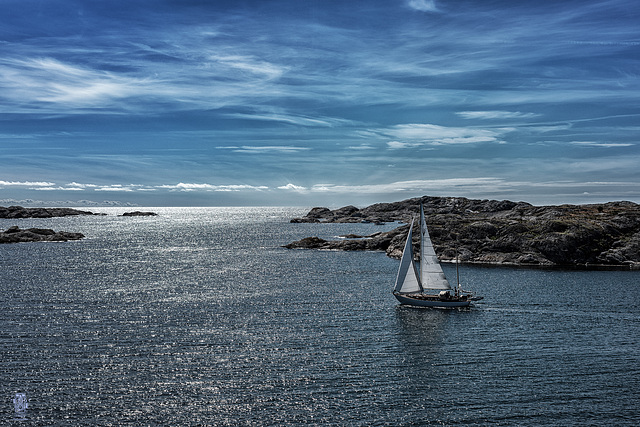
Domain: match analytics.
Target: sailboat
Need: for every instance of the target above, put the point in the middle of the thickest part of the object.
(427, 287)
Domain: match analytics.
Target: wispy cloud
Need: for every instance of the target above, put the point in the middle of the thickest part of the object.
(602, 144)
(57, 188)
(249, 64)
(210, 187)
(537, 192)
(419, 186)
(423, 5)
(81, 186)
(397, 145)
(292, 119)
(75, 186)
(118, 188)
(58, 203)
(26, 184)
(293, 187)
(283, 149)
(489, 115)
(47, 81)
(411, 135)
(361, 147)
(91, 187)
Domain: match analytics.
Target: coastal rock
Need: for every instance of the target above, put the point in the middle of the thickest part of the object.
(16, 235)
(138, 213)
(20, 212)
(309, 243)
(498, 232)
(374, 242)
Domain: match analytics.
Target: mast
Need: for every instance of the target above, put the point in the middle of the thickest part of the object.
(457, 274)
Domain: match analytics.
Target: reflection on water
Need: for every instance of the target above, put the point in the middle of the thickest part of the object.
(421, 327)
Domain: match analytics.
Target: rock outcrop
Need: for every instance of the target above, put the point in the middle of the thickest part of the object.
(498, 232)
(138, 213)
(16, 235)
(20, 212)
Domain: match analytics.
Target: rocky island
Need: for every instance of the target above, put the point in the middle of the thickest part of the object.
(496, 232)
(139, 213)
(20, 212)
(16, 235)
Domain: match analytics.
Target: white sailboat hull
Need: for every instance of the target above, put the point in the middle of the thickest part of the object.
(422, 301)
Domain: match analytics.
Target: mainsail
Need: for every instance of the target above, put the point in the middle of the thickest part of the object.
(407, 281)
(431, 274)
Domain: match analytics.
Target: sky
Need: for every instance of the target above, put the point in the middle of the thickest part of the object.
(318, 102)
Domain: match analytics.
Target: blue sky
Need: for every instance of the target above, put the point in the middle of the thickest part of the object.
(305, 103)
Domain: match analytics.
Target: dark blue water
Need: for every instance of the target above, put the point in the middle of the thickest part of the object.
(198, 317)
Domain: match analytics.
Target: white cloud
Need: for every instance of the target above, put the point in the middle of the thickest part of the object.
(75, 186)
(188, 186)
(601, 144)
(210, 187)
(80, 186)
(26, 184)
(396, 145)
(539, 192)
(431, 132)
(47, 80)
(293, 187)
(266, 149)
(249, 64)
(411, 135)
(413, 186)
(117, 188)
(423, 5)
(58, 203)
(361, 147)
(496, 115)
(467, 140)
(292, 119)
(240, 187)
(57, 189)
(580, 184)
(542, 128)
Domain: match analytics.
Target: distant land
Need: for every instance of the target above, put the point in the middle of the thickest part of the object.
(496, 232)
(20, 212)
(16, 235)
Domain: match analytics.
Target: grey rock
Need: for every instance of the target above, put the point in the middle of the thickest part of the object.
(15, 235)
(498, 232)
(138, 213)
(20, 212)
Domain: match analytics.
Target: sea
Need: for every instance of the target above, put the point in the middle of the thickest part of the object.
(199, 316)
